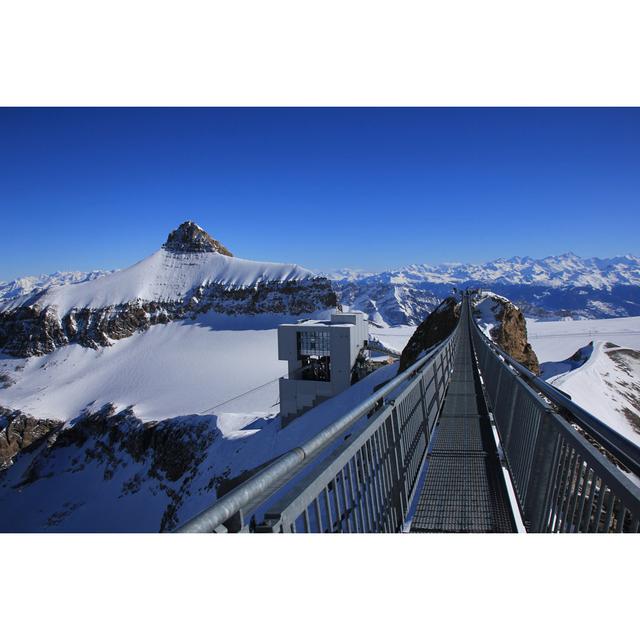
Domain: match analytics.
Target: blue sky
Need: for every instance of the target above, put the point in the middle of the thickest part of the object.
(326, 188)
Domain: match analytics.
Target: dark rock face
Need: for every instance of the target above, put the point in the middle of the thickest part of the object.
(190, 238)
(511, 336)
(437, 326)
(163, 456)
(30, 330)
(19, 431)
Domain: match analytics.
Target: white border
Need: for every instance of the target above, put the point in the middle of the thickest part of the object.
(335, 52)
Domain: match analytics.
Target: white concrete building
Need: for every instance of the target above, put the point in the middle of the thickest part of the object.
(321, 357)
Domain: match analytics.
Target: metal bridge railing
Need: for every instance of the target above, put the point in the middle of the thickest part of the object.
(365, 484)
(562, 482)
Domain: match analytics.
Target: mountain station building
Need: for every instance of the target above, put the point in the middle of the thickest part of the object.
(324, 359)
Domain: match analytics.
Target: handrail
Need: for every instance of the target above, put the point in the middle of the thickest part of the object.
(268, 479)
(627, 452)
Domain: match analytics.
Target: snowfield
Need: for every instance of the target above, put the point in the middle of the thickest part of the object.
(605, 379)
(75, 496)
(180, 368)
(608, 386)
(395, 338)
(553, 341)
(218, 364)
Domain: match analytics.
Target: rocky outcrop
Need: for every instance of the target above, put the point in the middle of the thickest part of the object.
(162, 456)
(511, 336)
(19, 431)
(437, 326)
(190, 238)
(31, 330)
(507, 327)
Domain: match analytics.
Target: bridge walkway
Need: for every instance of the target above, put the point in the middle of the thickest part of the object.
(463, 488)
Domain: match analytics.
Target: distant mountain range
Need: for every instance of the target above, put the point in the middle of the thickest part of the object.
(564, 286)
(33, 284)
(567, 269)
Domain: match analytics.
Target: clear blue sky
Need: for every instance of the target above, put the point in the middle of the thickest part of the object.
(370, 188)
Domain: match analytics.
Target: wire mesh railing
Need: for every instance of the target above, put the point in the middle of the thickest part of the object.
(562, 482)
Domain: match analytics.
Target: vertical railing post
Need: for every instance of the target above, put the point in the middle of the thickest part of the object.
(508, 426)
(542, 476)
(395, 459)
(425, 414)
(496, 394)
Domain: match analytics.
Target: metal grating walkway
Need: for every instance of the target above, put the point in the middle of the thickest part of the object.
(463, 489)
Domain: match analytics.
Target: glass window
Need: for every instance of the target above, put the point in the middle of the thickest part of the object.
(313, 343)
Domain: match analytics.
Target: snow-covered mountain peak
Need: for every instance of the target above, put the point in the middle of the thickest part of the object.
(169, 274)
(191, 238)
(189, 275)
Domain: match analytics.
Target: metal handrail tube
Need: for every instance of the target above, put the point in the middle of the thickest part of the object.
(627, 452)
(282, 468)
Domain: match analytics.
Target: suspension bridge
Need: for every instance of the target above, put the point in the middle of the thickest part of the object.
(465, 440)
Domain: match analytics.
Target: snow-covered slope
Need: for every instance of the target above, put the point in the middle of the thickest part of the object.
(385, 303)
(173, 369)
(29, 285)
(580, 358)
(178, 392)
(607, 384)
(557, 341)
(162, 277)
(110, 472)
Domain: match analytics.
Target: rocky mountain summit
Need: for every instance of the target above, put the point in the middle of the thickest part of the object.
(192, 274)
(190, 238)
